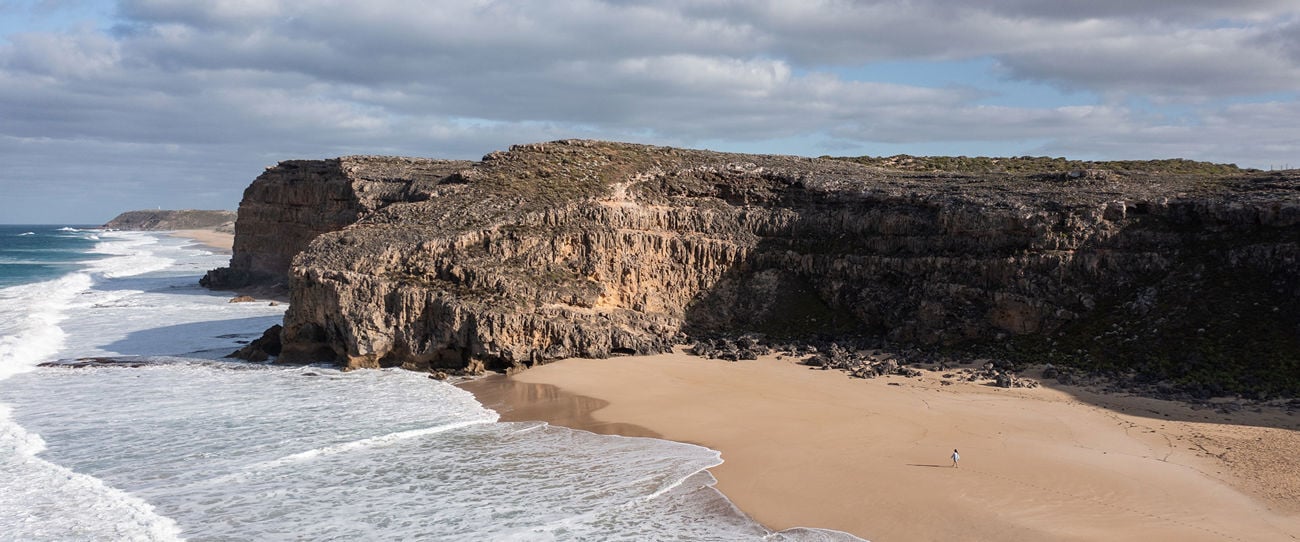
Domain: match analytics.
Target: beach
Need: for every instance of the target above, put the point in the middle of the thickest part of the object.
(805, 447)
(812, 448)
(220, 242)
(184, 443)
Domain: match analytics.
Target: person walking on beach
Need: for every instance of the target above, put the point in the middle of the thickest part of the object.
(955, 457)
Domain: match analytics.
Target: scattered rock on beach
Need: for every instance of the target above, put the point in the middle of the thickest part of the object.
(743, 348)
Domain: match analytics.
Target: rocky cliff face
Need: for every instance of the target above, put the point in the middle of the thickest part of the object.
(295, 201)
(161, 220)
(592, 249)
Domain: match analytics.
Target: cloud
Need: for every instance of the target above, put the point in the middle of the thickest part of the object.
(196, 90)
(1194, 64)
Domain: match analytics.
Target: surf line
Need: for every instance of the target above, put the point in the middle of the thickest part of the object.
(335, 449)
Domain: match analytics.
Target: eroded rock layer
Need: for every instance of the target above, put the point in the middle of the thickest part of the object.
(297, 200)
(592, 249)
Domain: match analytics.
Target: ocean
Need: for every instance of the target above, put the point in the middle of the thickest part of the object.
(175, 442)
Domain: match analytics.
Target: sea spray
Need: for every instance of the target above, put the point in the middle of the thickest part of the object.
(33, 490)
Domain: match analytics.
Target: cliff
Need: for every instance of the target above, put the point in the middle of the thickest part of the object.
(161, 220)
(1169, 270)
(295, 201)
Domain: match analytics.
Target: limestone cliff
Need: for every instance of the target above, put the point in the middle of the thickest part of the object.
(580, 248)
(161, 220)
(295, 201)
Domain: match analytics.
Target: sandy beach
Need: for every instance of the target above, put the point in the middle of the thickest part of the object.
(814, 448)
(218, 241)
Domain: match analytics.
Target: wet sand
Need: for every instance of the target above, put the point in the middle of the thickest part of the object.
(816, 448)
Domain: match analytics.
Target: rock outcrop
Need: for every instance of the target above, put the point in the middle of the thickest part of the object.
(160, 220)
(295, 201)
(593, 249)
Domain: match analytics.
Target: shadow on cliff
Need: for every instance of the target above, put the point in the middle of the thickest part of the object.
(775, 303)
(1213, 314)
(218, 336)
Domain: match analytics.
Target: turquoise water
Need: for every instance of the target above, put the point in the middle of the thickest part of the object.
(36, 253)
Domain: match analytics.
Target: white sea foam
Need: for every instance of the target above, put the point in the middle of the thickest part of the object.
(35, 490)
(355, 445)
(130, 255)
(29, 321)
(209, 449)
(42, 500)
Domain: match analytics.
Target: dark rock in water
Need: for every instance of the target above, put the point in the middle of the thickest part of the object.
(262, 348)
(242, 299)
(592, 249)
(82, 363)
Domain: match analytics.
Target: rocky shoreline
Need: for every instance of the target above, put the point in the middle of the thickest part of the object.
(864, 359)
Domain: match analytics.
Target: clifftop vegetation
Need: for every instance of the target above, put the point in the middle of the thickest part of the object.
(1043, 165)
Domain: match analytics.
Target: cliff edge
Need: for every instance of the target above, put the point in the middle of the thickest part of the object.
(1171, 270)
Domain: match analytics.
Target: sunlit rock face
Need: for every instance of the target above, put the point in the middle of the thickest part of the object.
(593, 249)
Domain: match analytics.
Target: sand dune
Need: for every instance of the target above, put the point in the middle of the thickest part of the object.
(817, 448)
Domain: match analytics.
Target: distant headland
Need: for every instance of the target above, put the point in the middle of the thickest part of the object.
(163, 220)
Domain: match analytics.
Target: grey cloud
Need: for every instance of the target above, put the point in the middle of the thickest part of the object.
(1254, 135)
(1192, 63)
(196, 97)
(364, 44)
(1167, 10)
(1284, 38)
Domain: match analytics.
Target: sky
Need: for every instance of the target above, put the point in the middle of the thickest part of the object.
(112, 106)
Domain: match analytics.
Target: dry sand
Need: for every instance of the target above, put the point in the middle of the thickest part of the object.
(816, 448)
(220, 242)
